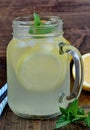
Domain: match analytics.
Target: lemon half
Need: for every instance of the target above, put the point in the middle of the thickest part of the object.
(86, 62)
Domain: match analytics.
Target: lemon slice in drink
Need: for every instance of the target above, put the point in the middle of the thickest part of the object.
(41, 71)
(86, 62)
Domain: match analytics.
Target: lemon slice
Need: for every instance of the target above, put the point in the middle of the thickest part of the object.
(41, 71)
(86, 62)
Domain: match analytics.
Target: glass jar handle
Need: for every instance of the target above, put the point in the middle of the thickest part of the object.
(67, 48)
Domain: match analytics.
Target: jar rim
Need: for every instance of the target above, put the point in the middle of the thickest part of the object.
(48, 20)
(25, 26)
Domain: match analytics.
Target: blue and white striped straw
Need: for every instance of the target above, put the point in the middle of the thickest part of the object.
(3, 89)
(4, 101)
(2, 105)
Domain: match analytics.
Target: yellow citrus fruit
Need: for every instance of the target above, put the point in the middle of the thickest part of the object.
(86, 63)
(41, 71)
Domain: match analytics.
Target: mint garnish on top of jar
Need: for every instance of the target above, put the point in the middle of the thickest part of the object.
(40, 26)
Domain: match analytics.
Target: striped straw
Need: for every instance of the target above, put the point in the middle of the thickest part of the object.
(3, 98)
(3, 89)
(2, 105)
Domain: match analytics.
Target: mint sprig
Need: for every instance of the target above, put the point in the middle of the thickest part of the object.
(39, 27)
(72, 114)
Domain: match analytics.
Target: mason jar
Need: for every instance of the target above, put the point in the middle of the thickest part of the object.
(38, 68)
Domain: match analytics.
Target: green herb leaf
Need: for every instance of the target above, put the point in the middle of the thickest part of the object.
(87, 120)
(43, 30)
(37, 20)
(63, 110)
(73, 108)
(66, 112)
(39, 27)
(62, 121)
(79, 118)
(80, 111)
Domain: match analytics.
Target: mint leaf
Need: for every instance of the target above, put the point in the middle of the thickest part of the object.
(79, 118)
(63, 110)
(43, 30)
(73, 108)
(40, 27)
(62, 121)
(87, 120)
(37, 20)
(66, 112)
(80, 111)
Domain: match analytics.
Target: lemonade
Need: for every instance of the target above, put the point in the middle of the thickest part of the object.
(35, 69)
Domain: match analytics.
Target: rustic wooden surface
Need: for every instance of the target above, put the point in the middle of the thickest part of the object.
(76, 16)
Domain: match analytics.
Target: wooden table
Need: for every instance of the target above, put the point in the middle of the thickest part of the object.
(76, 16)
